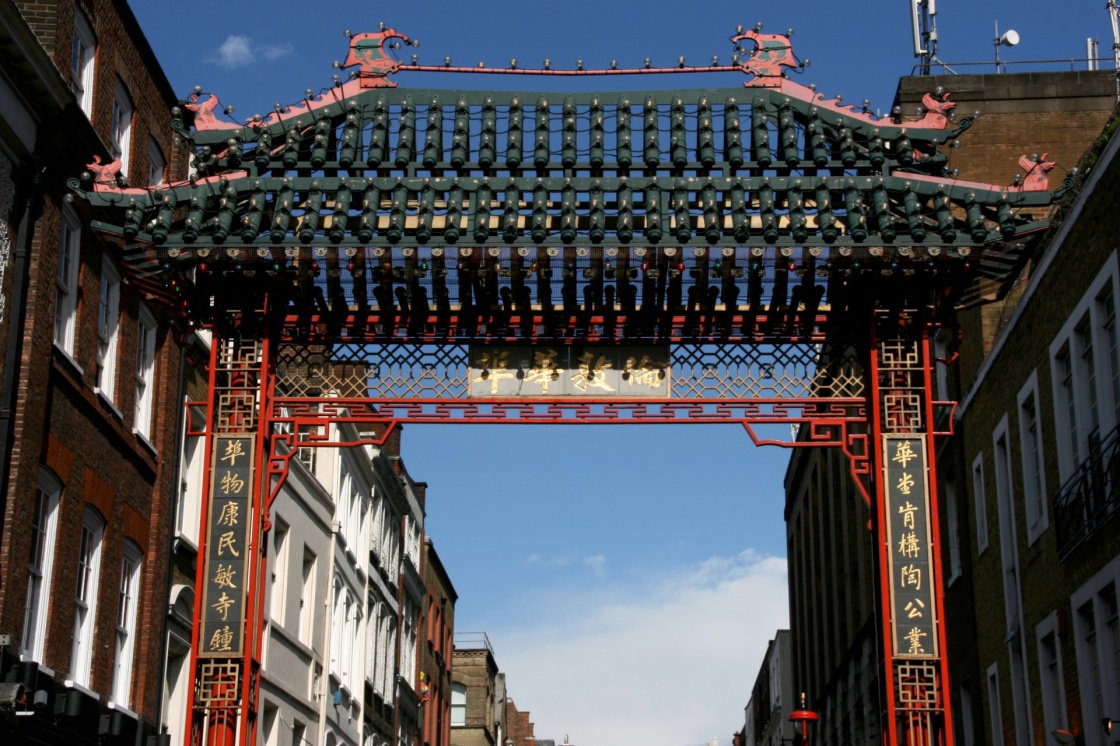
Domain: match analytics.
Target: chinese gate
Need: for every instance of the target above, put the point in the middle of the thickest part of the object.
(755, 254)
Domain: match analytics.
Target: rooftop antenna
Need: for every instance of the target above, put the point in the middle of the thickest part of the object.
(923, 22)
(1113, 12)
(1009, 39)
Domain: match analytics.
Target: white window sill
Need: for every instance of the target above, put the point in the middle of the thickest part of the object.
(183, 539)
(71, 684)
(123, 710)
(108, 401)
(144, 439)
(66, 355)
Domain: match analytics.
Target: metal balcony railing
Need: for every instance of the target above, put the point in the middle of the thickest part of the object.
(1088, 498)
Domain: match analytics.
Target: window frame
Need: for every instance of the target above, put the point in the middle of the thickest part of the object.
(1085, 371)
(125, 632)
(144, 377)
(1051, 628)
(306, 628)
(995, 703)
(66, 281)
(953, 540)
(108, 331)
(48, 494)
(458, 704)
(85, 595)
(188, 507)
(157, 164)
(980, 500)
(120, 125)
(83, 53)
(1032, 459)
(1087, 644)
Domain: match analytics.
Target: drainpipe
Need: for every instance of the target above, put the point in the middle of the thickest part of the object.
(32, 209)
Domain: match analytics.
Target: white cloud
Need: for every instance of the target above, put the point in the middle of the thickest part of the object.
(597, 562)
(665, 662)
(598, 565)
(238, 51)
(276, 52)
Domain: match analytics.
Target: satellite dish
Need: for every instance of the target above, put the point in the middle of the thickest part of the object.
(1010, 38)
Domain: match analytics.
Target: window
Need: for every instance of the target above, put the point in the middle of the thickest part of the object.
(994, 706)
(107, 322)
(1030, 446)
(191, 475)
(458, 704)
(279, 571)
(966, 736)
(338, 619)
(177, 682)
(145, 367)
(85, 596)
(1096, 627)
(941, 341)
(1050, 675)
(81, 61)
(126, 623)
(1012, 591)
(954, 539)
(981, 503)
(66, 281)
(345, 629)
(120, 128)
(1086, 374)
(1106, 309)
(306, 610)
(157, 165)
(44, 525)
(1066, 403)
(298, 730)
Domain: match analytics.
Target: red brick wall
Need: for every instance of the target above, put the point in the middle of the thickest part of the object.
(59, 420)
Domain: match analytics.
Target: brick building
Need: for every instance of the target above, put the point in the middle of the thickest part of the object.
(474, 692)
(437, 624)
(836, 655)
(1030, 485)
(90, 379)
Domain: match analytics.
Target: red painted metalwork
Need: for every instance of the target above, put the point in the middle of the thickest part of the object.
(918, 710)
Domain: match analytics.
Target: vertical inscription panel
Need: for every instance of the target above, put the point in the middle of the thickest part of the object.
(222, 631)
(906, 491)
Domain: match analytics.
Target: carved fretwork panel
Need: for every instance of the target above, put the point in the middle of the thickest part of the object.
(741, 373)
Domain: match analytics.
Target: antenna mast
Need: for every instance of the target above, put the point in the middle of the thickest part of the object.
(1113, 12)
(923, 21)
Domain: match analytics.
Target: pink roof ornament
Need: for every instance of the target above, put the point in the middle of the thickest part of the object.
(374, 63)
(937, 112)
(772, 52)
(104, 175)
(1036, 172)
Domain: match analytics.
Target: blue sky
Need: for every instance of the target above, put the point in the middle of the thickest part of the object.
(628, 577)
